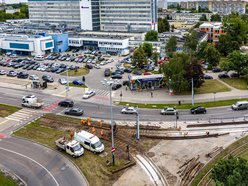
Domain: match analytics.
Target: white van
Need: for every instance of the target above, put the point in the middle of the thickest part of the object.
(89, 141)
(240, 105)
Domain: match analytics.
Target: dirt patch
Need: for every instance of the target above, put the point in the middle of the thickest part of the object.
(171, 179)
(151, 154)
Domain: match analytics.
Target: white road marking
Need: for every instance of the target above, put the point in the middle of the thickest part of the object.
(24, 156)
(3, 122)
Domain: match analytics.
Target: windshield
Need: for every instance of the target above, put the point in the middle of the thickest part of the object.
(77, 147)
(97, 144)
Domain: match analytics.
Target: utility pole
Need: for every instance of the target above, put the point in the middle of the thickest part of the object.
(111, 124)
(138, 127)
(192, 80)
(67, 84)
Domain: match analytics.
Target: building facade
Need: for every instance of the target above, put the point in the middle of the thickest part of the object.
(103, 43)
(26, 44)
(213, 29)
(128, 16)
(217, 6)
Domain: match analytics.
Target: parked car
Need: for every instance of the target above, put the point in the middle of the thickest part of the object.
(116, 86)
(138, 73)
(129, 110)
(216, 69)
(225, 75)
(169, 111)
(107, 72)
(240, 105)
(147, 73)
(74, 112)
(66, 103)
(89, 66)
(234, 75)
(34, 77)
(62, 81)
(47, 78)
(206, 76)
(128, 70)
(78, 82)
(22, 75)
(3, 72)
(89, 94)
(12, 73)
(198, 110)
(116, 76)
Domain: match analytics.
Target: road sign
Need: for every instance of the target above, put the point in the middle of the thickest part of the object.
(113, 149)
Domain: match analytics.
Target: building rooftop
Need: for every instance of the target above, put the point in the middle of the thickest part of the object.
(120, 37)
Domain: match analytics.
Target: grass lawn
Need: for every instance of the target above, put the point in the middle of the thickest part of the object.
(92, 165)
(183, 106)
(80, 72)
(80, 86)
(6, 180)
(238, 83)
(6, 110)
(209, 86)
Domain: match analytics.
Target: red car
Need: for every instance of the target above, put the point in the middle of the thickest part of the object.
(147, 73)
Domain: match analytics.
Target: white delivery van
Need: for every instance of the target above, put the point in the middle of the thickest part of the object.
(89, 141)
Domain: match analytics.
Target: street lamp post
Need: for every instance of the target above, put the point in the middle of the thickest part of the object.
(214, 96)
(111, 124)
(138, 128)
(67, 83)
(193, 96)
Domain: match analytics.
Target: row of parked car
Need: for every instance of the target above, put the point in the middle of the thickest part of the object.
(39, 66)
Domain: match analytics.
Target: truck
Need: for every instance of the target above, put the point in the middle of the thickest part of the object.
(89, 141)
(31, 101)
(70, 147)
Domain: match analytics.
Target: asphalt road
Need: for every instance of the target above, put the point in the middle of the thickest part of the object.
(38, 165)
(94, 110)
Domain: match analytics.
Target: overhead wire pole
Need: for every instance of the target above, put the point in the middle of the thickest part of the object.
(192, 81)
(111, 124)
(67, 83)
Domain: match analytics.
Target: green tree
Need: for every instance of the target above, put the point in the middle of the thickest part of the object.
(237, 62)
(148, 49)
(191, 41)
(216, 18)
(180, 70)
(201, 50)
(171, 46)
(139, 57)
(163, 25)
(226, 45)
(151, 36)
(203, 18)
(211, 55)
(231, 171)
(236, 27)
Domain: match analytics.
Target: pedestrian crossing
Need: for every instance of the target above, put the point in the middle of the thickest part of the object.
(100, 92)
(22, 115)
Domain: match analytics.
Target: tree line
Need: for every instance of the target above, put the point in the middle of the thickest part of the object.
(23, 14)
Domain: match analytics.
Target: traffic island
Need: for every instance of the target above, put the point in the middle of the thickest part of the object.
(6, 110)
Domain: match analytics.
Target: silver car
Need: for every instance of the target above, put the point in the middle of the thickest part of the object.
(169, 111)
(129, 110)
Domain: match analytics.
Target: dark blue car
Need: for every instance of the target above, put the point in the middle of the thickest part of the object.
(78, 82)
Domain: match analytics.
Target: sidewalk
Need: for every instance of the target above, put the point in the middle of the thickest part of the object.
(162, 96)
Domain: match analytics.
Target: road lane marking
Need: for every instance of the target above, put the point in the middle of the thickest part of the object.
(3, 122)
(24, 156)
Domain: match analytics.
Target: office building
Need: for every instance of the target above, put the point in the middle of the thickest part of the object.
(66, 13)
(213, 29)
(162, 4)
(26, 44)
(128, 16)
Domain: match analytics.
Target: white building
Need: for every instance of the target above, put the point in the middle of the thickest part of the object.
(128, 16)
(12, 10)
(26, 44)
(103, 43)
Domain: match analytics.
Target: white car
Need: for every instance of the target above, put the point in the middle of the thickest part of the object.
(97, 66)
(169, 111)
(89, 94)
(3, 72)
(129, 110)
(62, 81)
(34, 77)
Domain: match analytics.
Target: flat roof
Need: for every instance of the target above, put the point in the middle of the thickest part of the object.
(153, 76)
(99, 36)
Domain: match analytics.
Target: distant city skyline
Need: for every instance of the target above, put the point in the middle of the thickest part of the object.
(14, 1)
